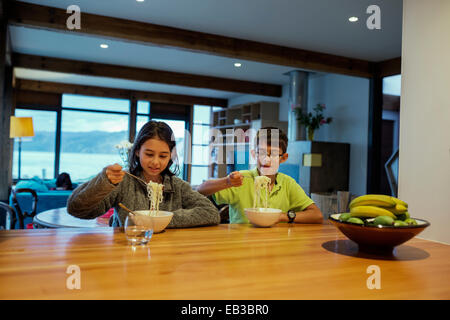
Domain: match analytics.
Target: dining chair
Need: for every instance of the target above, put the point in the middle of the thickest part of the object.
(223, 210)
(224, 214)
(9, 217)
(21, 214)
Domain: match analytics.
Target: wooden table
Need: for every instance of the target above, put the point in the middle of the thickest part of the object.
(60, 218)
(218, 262)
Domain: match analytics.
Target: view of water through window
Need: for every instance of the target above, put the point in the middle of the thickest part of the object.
(90, 129)
(88, 141)
(38, 152)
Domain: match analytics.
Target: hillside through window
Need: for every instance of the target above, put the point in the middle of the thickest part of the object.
(89, 137)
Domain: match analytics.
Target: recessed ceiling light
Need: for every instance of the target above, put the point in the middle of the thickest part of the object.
(353, 19)
(104, 46)
(140, 0)
(237, 65)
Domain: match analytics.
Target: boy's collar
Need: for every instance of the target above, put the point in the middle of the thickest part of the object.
(254, 172)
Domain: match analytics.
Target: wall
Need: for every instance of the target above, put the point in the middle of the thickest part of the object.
(424, 167)
(347, 102)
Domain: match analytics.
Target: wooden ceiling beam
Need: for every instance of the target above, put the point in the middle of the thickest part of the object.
(146, 75)
(51, 18)
(33, 99)
(389, 67)
(25, 85)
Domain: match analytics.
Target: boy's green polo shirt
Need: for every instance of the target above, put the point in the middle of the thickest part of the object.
(285, 195)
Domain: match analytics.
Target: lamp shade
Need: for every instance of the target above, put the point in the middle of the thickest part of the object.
(21, 127)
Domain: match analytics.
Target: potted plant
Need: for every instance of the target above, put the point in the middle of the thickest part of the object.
(124, 148)
(310, 121)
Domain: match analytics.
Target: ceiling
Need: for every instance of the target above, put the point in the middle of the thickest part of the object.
(316, 25)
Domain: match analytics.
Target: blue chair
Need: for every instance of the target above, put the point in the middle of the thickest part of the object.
(10, 215)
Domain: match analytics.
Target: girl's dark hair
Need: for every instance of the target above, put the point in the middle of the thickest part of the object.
(154, 130)
(64, 181)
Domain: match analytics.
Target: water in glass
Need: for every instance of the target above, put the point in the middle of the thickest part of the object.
(137, 232)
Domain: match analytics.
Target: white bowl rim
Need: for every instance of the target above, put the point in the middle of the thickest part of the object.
(161, 213)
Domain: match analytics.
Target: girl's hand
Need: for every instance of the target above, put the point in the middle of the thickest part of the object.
(235, 179)
(114, 173)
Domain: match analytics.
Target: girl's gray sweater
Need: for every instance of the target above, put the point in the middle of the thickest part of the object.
(95, 197)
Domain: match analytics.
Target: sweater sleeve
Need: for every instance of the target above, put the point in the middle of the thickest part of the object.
(196, 210)
(93, 198)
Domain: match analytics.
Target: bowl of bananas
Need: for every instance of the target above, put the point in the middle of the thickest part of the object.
(378, 222)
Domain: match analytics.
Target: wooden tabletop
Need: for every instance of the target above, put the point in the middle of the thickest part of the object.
(220, 262)
(60, 218)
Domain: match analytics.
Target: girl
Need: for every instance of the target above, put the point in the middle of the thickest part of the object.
(150, 159)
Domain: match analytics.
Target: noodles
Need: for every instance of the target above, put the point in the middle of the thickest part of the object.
(261, 182)
(155, 194)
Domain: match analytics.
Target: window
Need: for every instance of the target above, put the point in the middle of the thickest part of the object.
(88, 137)
(143, 114)
(390, 130)
(75, 101)
(143, 107)
(38, 152)
(392, 85)
(200, 144)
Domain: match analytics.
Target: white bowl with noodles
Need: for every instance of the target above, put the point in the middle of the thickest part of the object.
(158, 222)
(263, 217)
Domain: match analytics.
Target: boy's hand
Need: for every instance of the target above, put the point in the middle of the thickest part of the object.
(235, 179)
(114, 173)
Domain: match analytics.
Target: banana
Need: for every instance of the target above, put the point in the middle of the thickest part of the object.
(403, 216)
(376, 203)
(398, 209)
(379, 200)
(370, 212)
(401, 202)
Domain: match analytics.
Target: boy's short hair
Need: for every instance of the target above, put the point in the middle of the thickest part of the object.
(273, 136)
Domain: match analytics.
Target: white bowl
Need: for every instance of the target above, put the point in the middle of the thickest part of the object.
(158, 222)
(261, 217)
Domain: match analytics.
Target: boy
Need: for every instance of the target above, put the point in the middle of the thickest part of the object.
(237, 189)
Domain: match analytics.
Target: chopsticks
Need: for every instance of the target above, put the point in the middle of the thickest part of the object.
(136, 177)
(123, 207)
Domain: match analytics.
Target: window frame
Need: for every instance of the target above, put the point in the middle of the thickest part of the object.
(132, 115)
(208, 125)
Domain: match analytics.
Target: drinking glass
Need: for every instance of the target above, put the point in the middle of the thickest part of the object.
(138, 229)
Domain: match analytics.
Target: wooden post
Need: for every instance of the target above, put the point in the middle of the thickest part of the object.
(188, 145)
(58, 137)
(374, 139)
(6, 108)
(132, 119)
